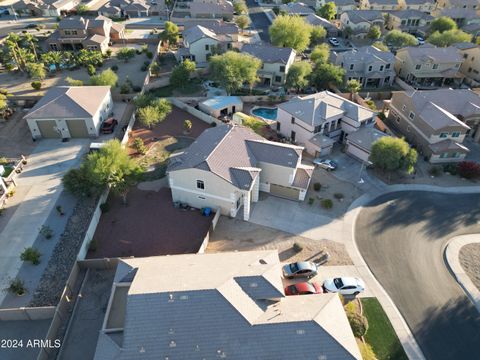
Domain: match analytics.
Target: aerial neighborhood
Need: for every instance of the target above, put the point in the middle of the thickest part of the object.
(239, 179)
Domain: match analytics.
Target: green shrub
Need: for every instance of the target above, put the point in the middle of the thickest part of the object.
(114, 68)
(139, 146)
(326, 203)
(317, 186)
(297, 247)
(213, 124)
(105, 207)
(31, 254)
(37, 85)
(366, 351)
(108, 53)
(144, 68)
(46, 231)
(338, 196)
(451, 169)
(91, 70)
(92, 246)
(149, 54)
(358, 323)
(144, 48)
(17, 287)
(435, 170)
(310, 201)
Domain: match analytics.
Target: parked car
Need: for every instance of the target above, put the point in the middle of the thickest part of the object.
(304, 288)
(300, 269)
(108, 126)
(344, 285)
(4, 11)
(325, 164)
(421, 40)
(31, 26)
(334, 41)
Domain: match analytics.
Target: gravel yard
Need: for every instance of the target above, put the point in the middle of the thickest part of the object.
(470, 261)
(234, 234)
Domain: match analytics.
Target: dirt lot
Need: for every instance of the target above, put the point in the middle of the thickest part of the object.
(15, 137)
(233, 234)
(148, 226)
(470, 261)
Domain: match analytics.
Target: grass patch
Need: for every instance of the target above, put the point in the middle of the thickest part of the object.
(192, 87)
(380, 334)
(253, 123)
(8, 171)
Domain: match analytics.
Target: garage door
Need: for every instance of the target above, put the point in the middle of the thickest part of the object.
(77, 128)
(357, 152)
(284, 192)
(48, 128)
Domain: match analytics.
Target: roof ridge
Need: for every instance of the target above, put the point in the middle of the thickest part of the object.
(216, 147)
(47, 103)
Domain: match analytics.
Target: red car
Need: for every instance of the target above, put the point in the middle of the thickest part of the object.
(304, 288)
(109, 125)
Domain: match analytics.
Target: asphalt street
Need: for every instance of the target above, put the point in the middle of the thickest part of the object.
(260, 21)
(402, 237)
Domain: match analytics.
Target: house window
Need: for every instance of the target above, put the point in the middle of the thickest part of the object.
(435, 66)
(455, 155)
(282, 69)
(200, 184)
(418, 67)
(54, 47)
(408, 128)
(317, 129)
(397, 119)
(293, 120)
(207, 47)
(455, 134)
(292, 136)
(469, 69)
(351, 66)
(229, 45)
(404, 107)
(444, 155)
(238, 202)
(411, 115)
(465, 56)
(278, 79)
(443, 135)
(381, 68)
(74, 32)
(370, 68)
(278, 126)
(67, 32)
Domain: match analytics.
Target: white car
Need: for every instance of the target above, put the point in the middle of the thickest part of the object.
(334, 41)
(326, 164)
(421, 41)
(344, 285)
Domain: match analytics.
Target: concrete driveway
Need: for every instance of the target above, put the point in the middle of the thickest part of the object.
(38, 188)
(402, 237)
(260, 21)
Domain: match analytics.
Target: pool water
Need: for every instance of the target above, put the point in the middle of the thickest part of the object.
(266, 113)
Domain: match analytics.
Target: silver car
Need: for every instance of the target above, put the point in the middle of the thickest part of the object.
(306, 269)
(325, 164)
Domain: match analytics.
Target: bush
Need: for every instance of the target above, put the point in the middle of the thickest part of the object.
(317, 186)
(46, 232)
(91, 70)
(92, 246)
(435, 170)
(358, 323)
(297, 247)
(469, 169)
(144, 68)
(149, 54)
(338, 196)
(213, 124)
(139, 146)
(114, 68)
(187, 125)
(144, 48)
(31, 254)
(108, 53)
(326, 203)
(37, 85)
(451, 169)
(17, 287)
(137, 88)
(366, 351)
(310, 201)
(105, 207)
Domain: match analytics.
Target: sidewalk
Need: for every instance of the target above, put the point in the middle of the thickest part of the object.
(452, 256)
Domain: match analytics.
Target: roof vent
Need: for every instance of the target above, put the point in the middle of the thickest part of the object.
(171, 331)
(141, 350)
(300, 332)
(170, 298)
(184, 297)
(197, 347)
(253, 285)
(172, 344)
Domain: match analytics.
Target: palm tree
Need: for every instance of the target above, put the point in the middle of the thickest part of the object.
(11, 43)
(31, 41)
(354, 87)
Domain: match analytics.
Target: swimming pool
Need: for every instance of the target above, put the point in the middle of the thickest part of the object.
(266, 113)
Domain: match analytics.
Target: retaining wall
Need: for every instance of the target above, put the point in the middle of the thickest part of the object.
(27, 313)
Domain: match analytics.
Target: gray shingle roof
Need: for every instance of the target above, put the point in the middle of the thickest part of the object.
(69, 102)
(233, 153)
(210, 310)
(269, 54)
(365, 137)
(294, 8)
(366, 54)
(358, 16)
(73, 23)
(316, 20)
(429, 52)
(448, 145)
(198, 32)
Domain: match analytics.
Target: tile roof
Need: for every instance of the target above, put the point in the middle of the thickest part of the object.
(303, 175)
(448, 145)
(269, 54)
(358, 16)
(96, 39)
(73, 23)
(365, 137)
(317, 108)
(224, 305)
(429, 52)
(297, 8)
(366, 54)
(69, 102)
(316, 20)
(234, 153)
(220, 7)
(198, 32)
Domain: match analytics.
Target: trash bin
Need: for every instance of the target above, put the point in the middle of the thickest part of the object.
(207, 211)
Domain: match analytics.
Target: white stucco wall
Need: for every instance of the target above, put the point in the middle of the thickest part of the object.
(198, 49)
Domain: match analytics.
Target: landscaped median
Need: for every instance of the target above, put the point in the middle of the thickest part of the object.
(374, 332)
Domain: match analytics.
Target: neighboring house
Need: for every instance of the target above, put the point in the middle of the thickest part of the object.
(70, 112)
(219, 106)
(297, 8)
(276, 62)
(380, 5)
(80, 33)
(317, 121)
(356, 23)
(470, 5)
(429, 66)
(219, 27)
(228, 165)
(369, 65)
(410, 21)
(110, 11)
(342, 5)
(228, 305)
(137, 8)
(473, 29)
(211, 9)
(359, 143)
(427, 6)
(470, 67)
(462, 16)
(44, 7)
(316, 20)
(200, 43)
(437, 121)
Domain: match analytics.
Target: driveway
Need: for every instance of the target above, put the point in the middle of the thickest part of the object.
(402, 237)
(38, 188)
(260, 21)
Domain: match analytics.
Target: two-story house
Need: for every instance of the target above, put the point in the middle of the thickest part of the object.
(437, 121)
(470, 5)
(462, 16)
(297, 8)
(370, 66)
(410, 21)
(317, 121)
(200, 43)
(428, 66)
(80, 33)
(276, 62)
(228, 165)
(380, 5)
(470, 67)
(426, 6)
(211, 9)
(357, 23)
(341, 5)
(316, 20)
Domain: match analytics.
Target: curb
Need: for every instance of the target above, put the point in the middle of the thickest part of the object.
(452, 252)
